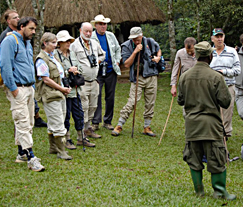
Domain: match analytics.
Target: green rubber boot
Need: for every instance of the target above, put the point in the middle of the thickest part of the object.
(219, 186)
(197, 177)
(53, 148)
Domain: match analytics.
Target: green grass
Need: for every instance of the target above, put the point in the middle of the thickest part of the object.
(119, 171)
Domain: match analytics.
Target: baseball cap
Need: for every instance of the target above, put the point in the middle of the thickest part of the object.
(217, 31)
(203, 49)
(135, 32)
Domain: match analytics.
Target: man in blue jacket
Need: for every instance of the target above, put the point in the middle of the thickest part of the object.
(19, 76)
(147, 80)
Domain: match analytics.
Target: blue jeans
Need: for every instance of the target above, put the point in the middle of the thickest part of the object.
(74, 105)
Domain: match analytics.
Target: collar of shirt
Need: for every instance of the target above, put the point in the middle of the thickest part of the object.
(224, 50)
(86, 45)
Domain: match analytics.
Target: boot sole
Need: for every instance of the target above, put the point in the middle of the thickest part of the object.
(151, 135)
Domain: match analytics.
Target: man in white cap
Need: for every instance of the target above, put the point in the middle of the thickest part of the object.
(147, 80)
(226, 61)
(89, 53)
(108, 70)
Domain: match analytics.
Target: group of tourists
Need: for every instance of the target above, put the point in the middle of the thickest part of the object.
(210, 77)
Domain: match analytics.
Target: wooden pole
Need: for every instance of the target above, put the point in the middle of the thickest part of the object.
(136, 94)
(178, 75)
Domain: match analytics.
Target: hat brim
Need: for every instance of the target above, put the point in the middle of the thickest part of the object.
(199, 55)
(220, 33)
(66, 39)
(135, 36)
(106, 20)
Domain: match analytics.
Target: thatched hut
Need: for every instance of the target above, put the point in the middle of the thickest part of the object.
(68, 14)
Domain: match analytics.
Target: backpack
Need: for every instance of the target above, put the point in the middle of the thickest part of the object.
(16, 52)
(161, 64)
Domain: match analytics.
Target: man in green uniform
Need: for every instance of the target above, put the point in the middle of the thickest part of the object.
(203, 91)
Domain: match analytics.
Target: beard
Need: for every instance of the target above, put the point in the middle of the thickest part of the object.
(83, 36)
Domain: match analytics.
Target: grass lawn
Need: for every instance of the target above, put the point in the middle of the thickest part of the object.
(119, 171)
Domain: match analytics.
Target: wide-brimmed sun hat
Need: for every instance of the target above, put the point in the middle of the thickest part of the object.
(100, 18)
(63, 36)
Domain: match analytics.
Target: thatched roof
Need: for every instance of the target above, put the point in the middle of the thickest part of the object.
(69, 12)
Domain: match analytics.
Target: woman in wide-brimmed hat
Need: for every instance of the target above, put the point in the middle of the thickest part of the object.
(73, 101)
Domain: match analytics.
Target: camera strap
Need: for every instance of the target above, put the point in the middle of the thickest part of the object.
(85, 48)
(68, 58)
(60, 57)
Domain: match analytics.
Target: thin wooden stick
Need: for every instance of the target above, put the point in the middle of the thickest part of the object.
(136, 94)
(161, 137)
(225, 143)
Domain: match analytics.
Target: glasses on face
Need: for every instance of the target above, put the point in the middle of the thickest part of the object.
(101, 23)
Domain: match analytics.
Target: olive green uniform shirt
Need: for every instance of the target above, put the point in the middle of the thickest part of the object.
(203, 91)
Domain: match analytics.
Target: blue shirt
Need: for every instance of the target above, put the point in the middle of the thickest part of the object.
(103, 44)
(20, 69)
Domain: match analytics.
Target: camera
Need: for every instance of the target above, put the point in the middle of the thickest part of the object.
(152, 64)
(65, 82)
(103, 68)
(92, 60)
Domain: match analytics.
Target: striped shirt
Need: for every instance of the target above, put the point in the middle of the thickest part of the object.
(228, 61)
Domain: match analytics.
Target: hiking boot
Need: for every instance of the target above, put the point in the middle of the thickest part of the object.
(35, 165)
(147, 131)
(40, 123)
(95, 127)
(90, 133)
(70, 145)
(108, 126)
(116, 131)
(21, 158)
(86, 143)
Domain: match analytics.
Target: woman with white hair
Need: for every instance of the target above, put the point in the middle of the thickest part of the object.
(73, 100)
(51, 92)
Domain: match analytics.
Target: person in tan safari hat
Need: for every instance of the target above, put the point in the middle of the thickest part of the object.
(108, 70)
(147, 80)
(203, 91)
(73, 100)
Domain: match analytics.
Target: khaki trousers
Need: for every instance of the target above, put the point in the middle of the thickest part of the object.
(22, 107)
(149, 86)
(56, 113)
(227, 114)
(89, 97)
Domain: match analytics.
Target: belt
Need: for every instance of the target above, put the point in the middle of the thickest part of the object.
(89, 81)
(24, 85)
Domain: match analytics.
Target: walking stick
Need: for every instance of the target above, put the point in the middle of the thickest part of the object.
(179, 71)
(225, 143)
(80, 107)
(136, 92)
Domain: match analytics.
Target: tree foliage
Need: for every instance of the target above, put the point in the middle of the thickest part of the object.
(205, 14)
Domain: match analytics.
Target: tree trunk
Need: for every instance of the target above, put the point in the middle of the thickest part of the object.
(171, 26)
(11, 4)
(198, 20)
(39, 12)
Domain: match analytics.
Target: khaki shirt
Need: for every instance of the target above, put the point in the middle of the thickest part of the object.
(89, 73)
(187, 62)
